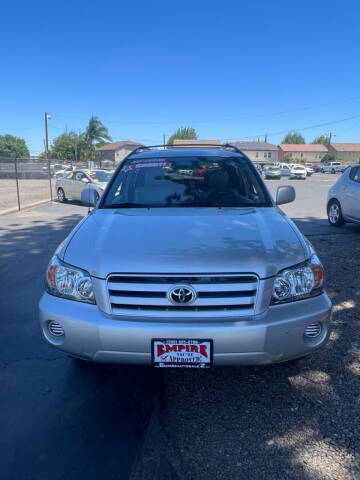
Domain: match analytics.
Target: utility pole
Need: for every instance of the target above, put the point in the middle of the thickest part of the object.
(265, 137)
(164, 139)
(331, 135)
(47, 117)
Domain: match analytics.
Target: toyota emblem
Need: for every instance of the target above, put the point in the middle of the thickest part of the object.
(182, 294)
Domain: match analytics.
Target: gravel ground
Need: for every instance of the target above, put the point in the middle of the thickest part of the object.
(299, 420)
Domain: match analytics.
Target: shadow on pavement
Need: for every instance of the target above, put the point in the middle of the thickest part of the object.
(59, 418)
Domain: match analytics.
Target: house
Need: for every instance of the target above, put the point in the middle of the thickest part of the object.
(196, 143)
(260, 152)
(115, 152)
(345, 152)
(302, 153)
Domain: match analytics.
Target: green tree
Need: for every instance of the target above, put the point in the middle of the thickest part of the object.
(68, 147)
(13, 147)
(95, 132)
(323, 140)
(293, 138)
(183, 133)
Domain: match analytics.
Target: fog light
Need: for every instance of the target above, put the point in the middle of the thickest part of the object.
(313, 330)
(55, 328)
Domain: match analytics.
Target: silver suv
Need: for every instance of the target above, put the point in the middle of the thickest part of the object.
(186, 261)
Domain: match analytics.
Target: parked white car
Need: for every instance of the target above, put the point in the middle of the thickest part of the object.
(309, 169)
(64, 172)
(334, 167)
(344, 198)
(298, 172)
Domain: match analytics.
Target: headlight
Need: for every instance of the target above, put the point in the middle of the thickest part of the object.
(302, 281)
(69, 282)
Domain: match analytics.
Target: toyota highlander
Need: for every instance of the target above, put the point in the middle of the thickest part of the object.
(186, 261)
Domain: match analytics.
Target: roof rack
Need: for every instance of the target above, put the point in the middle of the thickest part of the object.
(225, 146)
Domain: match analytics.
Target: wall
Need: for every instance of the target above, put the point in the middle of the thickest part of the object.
(307, 157)
(261, 157)
(345, 157)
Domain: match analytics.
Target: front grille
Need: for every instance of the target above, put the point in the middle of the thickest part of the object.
(217, 295)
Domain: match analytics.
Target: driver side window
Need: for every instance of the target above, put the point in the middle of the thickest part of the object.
(81, 177)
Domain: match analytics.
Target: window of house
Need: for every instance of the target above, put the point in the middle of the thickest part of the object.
(302, 155)
(269, 154)
(265, 154)
(257, 155)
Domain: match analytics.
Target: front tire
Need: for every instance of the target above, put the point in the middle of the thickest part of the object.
(335, 214)
(61, 195)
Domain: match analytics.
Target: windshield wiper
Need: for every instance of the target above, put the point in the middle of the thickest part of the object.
(215, 205)
(128, 205)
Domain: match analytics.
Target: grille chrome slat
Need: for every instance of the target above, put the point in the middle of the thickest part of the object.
(199, 302)
(159, 287)
(218, 295)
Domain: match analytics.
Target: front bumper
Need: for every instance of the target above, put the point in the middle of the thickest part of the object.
(273, 336)
(300, 177)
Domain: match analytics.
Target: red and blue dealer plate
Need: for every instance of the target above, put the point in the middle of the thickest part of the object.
(182, 353)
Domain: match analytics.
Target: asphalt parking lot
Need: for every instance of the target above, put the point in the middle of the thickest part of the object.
(289, 421)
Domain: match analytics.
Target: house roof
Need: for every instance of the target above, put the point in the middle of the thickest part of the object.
(256, 146)
(346, 147)
(196, 143)
(118, 145)
(302, 147)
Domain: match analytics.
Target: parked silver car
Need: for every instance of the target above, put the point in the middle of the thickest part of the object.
(343, 203)
(186, 270)
(74, 183)
(273, 172)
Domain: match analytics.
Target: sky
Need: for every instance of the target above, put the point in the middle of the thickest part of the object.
(233, 70)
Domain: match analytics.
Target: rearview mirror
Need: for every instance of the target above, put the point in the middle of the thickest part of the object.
(285, 194)
(88, 197)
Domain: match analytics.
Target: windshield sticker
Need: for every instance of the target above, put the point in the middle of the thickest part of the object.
(96, 180)
(146, 164)
(109, 171)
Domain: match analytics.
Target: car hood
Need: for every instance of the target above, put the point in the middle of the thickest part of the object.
(185, 240)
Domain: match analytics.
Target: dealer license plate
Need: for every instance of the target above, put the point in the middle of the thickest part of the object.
(182, 353)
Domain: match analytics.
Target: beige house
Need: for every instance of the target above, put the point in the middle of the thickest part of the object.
(196, 143)
(259, 152)
(302, 153)
(345, 152)
(115, 152)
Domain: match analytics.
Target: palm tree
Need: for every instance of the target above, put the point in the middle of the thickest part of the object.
(95, 132)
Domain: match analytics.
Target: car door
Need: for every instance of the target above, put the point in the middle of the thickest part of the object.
(65, 183)
(351, 194)
(81, 182)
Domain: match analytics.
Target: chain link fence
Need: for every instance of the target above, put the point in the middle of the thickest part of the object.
(25, 182)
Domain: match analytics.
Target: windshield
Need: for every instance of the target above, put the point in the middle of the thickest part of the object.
(298, 168)
(187, 181)
(273, 168)
(100, 175)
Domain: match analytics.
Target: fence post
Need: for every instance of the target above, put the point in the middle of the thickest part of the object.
(17, 184)
(49, 172)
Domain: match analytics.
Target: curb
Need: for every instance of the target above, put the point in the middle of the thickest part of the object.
(27, 207)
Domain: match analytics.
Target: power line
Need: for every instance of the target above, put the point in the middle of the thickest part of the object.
(295, 129)
(247, 117)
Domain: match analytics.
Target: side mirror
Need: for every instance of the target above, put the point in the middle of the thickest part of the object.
(88, 197)
(285, 194)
